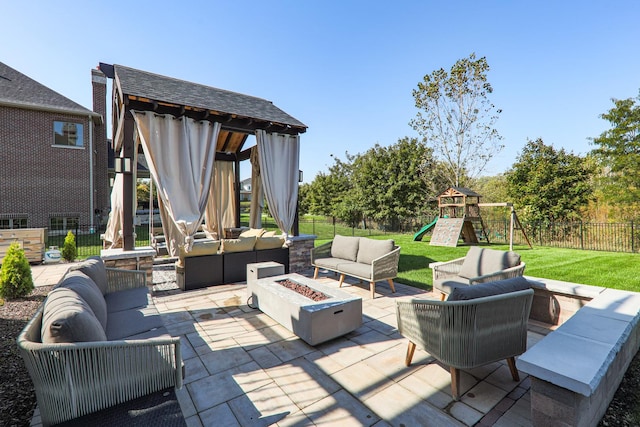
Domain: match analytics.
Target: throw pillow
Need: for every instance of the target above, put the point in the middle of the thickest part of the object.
(269, 242)
(481, 261)
(252, 232)
(89, 292)
(95, 269)
(488, 289)
(241, 244)
(345, 247)
(370, 249)
(67, 318)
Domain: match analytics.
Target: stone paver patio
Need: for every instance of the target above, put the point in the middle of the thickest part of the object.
(244, 369)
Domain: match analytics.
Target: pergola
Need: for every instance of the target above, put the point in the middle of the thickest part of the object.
(236, 115)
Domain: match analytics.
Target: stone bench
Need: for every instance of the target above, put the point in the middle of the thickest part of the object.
(577, 368)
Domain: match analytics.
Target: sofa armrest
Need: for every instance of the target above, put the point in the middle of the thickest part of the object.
(442, 270)
(386, 266)
(322, 251)
(518, 270)
(119, 279)
(74, 379)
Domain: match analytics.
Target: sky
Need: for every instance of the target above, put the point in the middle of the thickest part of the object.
(345, 68)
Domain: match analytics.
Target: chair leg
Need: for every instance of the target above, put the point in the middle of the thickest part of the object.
(442, 296)
(341, 280)
(511, 361)
(455, 383)
(372, 288)
(315, 274)
(410, 350)
(393, 288)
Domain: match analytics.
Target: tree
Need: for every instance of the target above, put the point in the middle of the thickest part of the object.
(327, 190)
(15, 275)
(389, 181)
(456, 118)
(549, 185)
(618, 150)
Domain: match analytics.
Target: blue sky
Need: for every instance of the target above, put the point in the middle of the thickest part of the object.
(347, 68)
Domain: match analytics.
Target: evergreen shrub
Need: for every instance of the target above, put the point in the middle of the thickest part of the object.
(15, 274)
(69, 250)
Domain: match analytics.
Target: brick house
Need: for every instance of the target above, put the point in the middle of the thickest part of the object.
(53, 155)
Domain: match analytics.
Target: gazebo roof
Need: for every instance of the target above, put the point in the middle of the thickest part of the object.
(235, 110)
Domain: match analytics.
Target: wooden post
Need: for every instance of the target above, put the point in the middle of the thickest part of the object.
(237, 190)
(128, 147)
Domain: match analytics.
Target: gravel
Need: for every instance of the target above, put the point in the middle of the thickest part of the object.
(17, 397)
(18, 400)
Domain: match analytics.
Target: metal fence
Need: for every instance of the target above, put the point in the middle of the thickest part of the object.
(613, 237)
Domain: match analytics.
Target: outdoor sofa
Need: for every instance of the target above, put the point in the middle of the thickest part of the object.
(360, 257)
(480, 265)
(97, 341)
(215, 262)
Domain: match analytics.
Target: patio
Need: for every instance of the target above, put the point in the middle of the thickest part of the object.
(244, 369)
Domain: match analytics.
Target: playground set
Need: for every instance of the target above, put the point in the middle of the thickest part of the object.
(460, 219)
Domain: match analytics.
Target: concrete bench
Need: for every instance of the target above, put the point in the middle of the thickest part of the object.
(577, 368)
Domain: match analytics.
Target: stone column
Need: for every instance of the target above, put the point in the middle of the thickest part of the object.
(137, 259)
(300, 252)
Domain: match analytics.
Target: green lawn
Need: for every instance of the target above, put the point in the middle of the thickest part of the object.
(608, 269)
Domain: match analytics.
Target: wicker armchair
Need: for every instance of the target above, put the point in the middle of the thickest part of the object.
(467, 334)
(479, 266)
(74, 379)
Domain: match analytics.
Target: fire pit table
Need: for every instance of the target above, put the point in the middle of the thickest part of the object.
(315, 321)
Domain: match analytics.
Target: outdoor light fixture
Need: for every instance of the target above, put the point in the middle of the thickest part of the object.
(300, 176)
(122, 165)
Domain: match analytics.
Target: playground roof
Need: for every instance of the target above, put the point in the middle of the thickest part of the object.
(459, 191)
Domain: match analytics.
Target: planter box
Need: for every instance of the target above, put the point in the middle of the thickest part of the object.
(314, 322)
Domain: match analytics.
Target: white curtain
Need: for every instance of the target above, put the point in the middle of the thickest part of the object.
(279, 167)
(257, 194)
(114, 225)
(180, 153)
(221, 206)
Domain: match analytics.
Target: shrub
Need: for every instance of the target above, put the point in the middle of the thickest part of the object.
(69, 250)
(15, 276)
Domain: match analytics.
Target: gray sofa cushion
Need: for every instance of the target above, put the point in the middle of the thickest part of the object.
(345, 247)
(67, 318)
(128, 299)
(329, 263)
(94, 268)
(88, 291)
(356, 269)
(481, 261)
(371, 249)
(488, 289)
(132, 322)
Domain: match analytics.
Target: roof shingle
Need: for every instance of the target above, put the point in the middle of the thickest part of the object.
(18, 90)
(180, 92)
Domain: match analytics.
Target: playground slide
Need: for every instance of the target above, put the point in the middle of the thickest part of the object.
(423, 230)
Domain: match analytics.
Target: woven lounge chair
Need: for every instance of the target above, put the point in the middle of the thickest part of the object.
(481, 265)
(468, 333)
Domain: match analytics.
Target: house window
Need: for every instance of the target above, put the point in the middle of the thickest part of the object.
(11, 223)
(68, 134)
(61, 224)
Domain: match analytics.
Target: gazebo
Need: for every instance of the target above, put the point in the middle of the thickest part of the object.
(192, 139)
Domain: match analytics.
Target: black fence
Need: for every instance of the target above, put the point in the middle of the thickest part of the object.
(613, 237)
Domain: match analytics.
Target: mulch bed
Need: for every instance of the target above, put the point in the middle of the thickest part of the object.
(17, 397)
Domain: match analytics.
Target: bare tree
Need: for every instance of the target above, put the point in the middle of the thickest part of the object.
(456, 118)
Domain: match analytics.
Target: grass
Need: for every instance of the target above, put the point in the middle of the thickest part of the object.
(606, 269)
